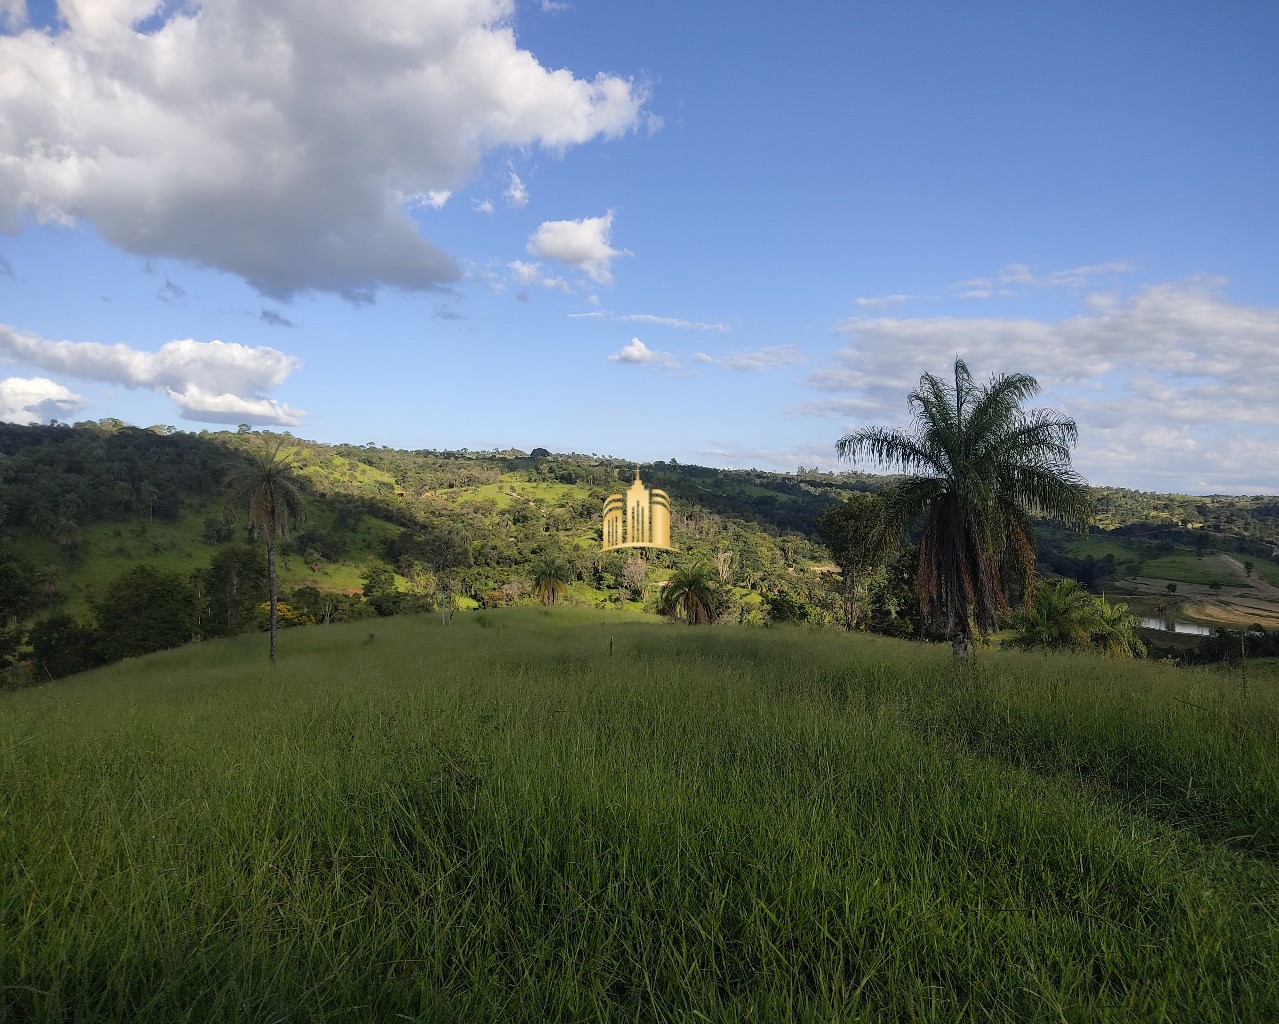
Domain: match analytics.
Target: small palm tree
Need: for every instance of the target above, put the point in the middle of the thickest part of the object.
(1064, 616)
(978, 468)
(691, 594)
(551, 575)
(273, 505)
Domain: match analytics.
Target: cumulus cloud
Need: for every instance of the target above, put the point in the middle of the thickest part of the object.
(281, 142)
(1172, 382)
(36, 400)
(579, 243)
(214, 381)
(649, 318)
(635, 351)
(516, 193)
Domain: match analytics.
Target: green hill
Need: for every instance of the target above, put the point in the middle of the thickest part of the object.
(398, 530)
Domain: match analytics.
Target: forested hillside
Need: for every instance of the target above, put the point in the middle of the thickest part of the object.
(112, 529)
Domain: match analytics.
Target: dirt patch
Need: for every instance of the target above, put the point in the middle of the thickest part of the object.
(1233, 613)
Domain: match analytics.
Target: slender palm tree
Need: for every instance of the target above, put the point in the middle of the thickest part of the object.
(691, 594)
(977, 467)
(551, 575)
(273, 504)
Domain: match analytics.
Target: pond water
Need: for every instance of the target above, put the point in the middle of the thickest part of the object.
(1177, 626)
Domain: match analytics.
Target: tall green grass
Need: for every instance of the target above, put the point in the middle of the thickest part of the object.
(500, 821)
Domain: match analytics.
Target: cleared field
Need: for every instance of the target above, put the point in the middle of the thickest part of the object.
(499, 820)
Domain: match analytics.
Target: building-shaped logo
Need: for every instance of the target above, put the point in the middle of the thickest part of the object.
(640, 518)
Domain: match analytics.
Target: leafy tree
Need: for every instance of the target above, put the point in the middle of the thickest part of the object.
(550, 576)
(273, 504)
(144, 610)
(691, 594)
(229, 590)
(1064, 616)
(850, 531)
(62, 646)
(19, 591)
(1171, 588)
(786, 606)
(978, 468)
(1248, 566)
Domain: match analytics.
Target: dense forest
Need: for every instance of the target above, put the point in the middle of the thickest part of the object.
(117, 540)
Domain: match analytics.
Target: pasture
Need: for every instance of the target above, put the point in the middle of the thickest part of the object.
(549, 815)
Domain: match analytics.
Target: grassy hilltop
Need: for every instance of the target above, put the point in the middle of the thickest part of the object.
(500, 820)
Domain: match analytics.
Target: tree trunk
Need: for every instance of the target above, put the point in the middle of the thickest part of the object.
(960, 637)
(850, 602)
(270, 571)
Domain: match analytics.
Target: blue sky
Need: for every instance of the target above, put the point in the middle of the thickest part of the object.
(724, 234)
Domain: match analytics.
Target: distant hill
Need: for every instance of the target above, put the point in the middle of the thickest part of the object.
(393, 530)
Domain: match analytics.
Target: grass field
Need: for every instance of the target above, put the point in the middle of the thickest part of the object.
(500, 820)
(1190, 568)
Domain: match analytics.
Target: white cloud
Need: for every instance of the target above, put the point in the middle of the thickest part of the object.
(13, 14)
(811, 456)
(881, 301)
(516, 193)
(435, 199)
(1173, 383)
(649, 318)
(770, 357)
(1016, 277)
(579, 243)
(37, 400)
(202, 377)
(532, 273)
(484, 206)
(277, 140)
(635, 351)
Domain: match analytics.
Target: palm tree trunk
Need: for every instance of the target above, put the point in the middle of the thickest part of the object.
(270, 571)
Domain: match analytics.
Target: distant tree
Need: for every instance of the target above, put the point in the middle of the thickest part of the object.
(852, 532)
(266, 492)
(1064, 616)
(691, 594)
(62, 646)
(1171, 588)
(550, 576)
(19, 589)
(144, 610)
(1248, 566)
(230, 590)
(1214, 586)
(632, 577)
(979, 467)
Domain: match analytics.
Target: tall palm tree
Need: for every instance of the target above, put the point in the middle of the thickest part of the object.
(691, 594)
(551, 575)
(978, 466)
(273, 505)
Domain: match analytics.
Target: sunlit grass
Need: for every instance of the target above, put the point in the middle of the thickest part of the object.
(499, 820)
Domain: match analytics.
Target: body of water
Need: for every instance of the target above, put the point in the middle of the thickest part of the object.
(1177, 626)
